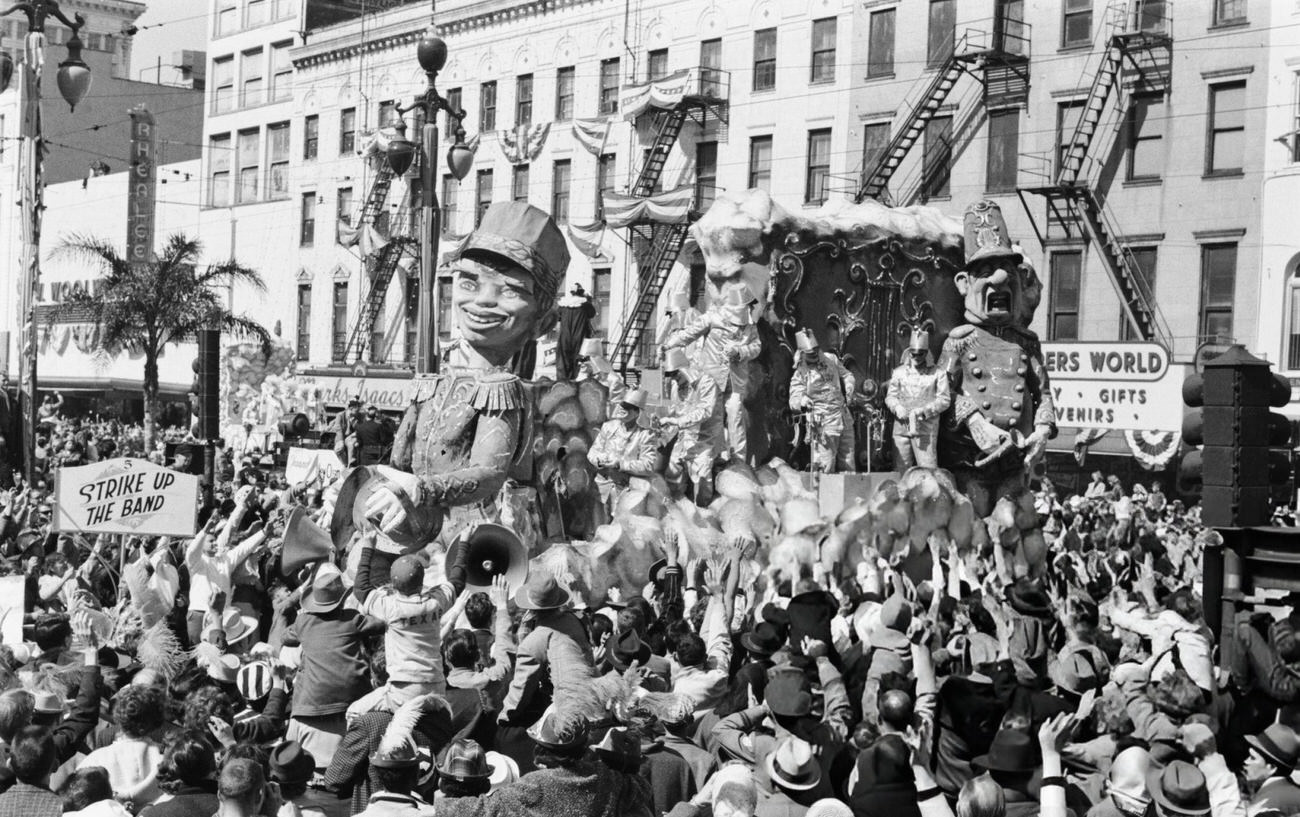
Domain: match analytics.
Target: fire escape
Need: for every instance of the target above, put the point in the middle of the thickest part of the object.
(997, 56)
(1137, 54)
(664, 241)
(381, 262)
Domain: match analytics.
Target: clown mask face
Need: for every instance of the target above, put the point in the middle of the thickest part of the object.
(991, 291)
(496, 306)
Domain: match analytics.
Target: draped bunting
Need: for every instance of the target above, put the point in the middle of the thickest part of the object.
(1083, 440)
(588, 238)
(1153, 449)
(524, 142)
(665, 92)
(365, 235)
(670, 207)
(591, 134)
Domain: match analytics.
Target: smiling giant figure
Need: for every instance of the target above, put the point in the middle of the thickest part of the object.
(1002, 413)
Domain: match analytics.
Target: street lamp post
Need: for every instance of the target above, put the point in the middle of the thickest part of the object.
(432, 54)
(74, 81)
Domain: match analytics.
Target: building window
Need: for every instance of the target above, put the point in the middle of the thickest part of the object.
(410, 319)
(880, 44)
(1293, 333)
(819, 166)
(387, 113)
(564, 94)
(1152, 16)
(227, 18)
(347, 131)
(765, 59)
(657, 64)
(281, 71)
(304, 322)
(1066, 272)
(445, 320)
(254, 13)
(453, 104)
(487, 107)
(706, 174)
(219, 156)
(307, 220)
(248, 157)
(285, 9)
(760, 163)
(250, 78)
(1227, 12)
(711, 67)
(1295, 119)
(823, 50)
(483, 194)
(1218, 286)
(561, 178)
(1076, 23)
(875, 141)
(1146, 137)
(601, 298)
(277, 148)
(604, 181)
(1144, 258)
(936, 161)
(1004, 150)
(223, 84)
(343, 208)
(942, 32)
(339, 322)
(1227, 148)
(1067, 119)
(519, 183)
(311, 137)
(524, 100)
(450, 192)
(609, 86)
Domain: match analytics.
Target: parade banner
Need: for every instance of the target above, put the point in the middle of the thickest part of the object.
(307, 464)
(1115, 386)
(125, 496)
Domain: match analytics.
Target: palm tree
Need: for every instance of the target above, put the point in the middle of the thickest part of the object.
(167, 300)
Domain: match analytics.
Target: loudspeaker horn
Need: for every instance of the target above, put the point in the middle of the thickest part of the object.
(305, 542)
(493, 550)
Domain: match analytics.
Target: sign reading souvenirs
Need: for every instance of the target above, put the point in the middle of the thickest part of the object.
(1121, 386)
(142, 192)
(125, 496)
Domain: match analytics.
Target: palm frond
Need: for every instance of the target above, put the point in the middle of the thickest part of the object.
(230, 272)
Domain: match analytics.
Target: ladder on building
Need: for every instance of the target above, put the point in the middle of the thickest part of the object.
(876, 179)
(668, 128)
(377, 198)
(664, 249)
(380, 267)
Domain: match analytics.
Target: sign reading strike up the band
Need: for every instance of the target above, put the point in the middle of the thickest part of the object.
(125, 496)
(142, 194)
(1120, 386)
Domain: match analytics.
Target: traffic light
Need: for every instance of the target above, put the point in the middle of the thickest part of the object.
(205, 397)
(1239, 469)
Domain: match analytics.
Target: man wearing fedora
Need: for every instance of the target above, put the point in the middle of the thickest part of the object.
(696, 417)
(728, 342)
(623, 450)
(821, 387)
(1270, 764)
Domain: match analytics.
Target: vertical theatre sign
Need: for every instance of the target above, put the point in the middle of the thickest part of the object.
(141, 198)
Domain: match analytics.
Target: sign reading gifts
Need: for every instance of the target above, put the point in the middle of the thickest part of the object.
(1118, 386)
(125, 496)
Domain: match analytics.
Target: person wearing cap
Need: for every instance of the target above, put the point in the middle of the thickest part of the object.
(821, 387)
(696, 416)
(211, 563)
(917, 394)
(1002, 408)
(593, 365)
(728, 342)
(623, 450)
(576, 314)
(292, 769)
(343, 426)
(265, 695)
(467, 430)
(463, 771)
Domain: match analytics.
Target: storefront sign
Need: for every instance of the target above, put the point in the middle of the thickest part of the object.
(1119, 386)
(125, 496)
(389, 394)
(306, 465)
(56, 292)
(142, 190)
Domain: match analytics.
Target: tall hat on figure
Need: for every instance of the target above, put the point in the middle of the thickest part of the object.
(736, 306)
(806, 341)
(594, 350)
(985, 233)
(675, 361)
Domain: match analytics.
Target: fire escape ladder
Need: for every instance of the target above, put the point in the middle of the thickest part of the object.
(665, 248)
(669, 126)
(876, 179)
(380, 267)
(1075, 151)
(378, 195)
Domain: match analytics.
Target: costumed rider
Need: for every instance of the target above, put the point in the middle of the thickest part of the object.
(817, 389)
(728, 342)
(918, 393)
(1002, 413)
(623, 451)
(593, 365)
(469, 429)
(696, 417)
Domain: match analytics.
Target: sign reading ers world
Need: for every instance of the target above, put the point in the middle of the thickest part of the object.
(1118, 386)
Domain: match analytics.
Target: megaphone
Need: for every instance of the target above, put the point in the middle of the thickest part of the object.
(305, 542)
(294, 424)
(493, 550)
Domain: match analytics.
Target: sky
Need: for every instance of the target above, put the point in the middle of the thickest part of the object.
(185, 27)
